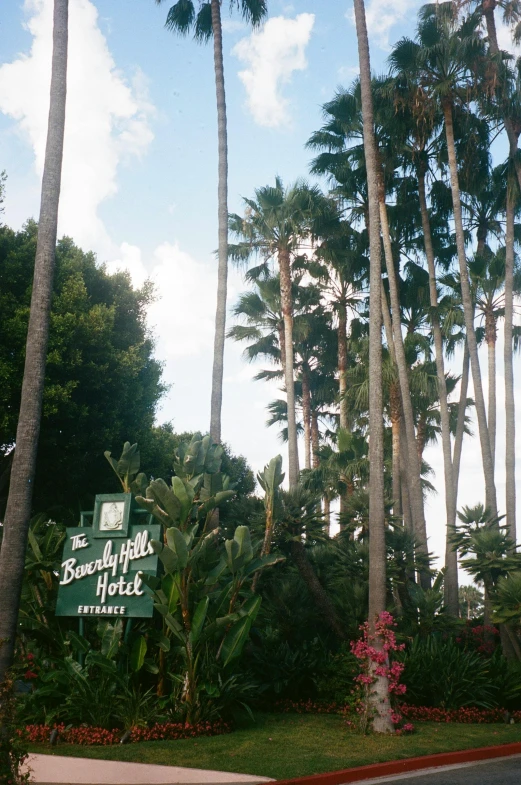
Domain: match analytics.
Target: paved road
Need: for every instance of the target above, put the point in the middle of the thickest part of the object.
(506, 771)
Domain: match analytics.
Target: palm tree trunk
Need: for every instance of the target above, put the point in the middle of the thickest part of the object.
(18, 510)
(488, 7)
(287, 314)
(314, 440)
(377, 552)
(306, 414)
(327, 513)
(342, 364)
(222, 272)
(414, 475)
(510, 413)
(468, 310)
(317, 591)
(395, 406)
(490, 339)
(451, 557)
(460, 425)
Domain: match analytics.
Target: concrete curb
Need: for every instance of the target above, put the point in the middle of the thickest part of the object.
(396, 767)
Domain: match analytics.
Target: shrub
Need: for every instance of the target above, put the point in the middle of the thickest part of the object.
(13, 750)
(438, 673)
(91, 736)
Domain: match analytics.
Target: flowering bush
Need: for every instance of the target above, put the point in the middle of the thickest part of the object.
(373, 651)
(483, 638)
(12, 743)
(89, 736)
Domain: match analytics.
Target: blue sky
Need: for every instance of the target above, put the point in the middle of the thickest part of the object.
(140, 162)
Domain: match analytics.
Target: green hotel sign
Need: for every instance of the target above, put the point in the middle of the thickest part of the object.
(103, 564)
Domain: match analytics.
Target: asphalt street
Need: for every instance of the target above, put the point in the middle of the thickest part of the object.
(506, 771)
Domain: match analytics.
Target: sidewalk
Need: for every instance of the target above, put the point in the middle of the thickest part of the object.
(56, 770)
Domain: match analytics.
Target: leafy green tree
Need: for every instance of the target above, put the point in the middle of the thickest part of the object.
(205, 24)
(101, 381)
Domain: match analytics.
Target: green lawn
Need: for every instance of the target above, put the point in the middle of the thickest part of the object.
(292, 745)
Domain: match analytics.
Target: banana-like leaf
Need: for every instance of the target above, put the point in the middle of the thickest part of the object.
(165, 498)
(78, 642)
(262, 562)
(163, 642)
(110, 637)
(137, 654)
(154, 509)
(235, 639)
(170, 588)
(251, 607)
(198, 619)
(167, 556)
(177, 544)
(185, 495)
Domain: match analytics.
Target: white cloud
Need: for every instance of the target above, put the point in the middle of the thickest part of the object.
(107, 118)
(383, 15)
(182, 317)
(271, 56)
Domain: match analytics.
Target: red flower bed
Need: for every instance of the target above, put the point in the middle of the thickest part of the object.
(39, 734)
(467, 715)
(413, 713)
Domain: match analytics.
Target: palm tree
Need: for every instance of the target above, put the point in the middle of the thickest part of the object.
(510, 416)
(18, 510)
(182, 18)
(278, 223)
(344, 125)
(377, 549)
(439, 60)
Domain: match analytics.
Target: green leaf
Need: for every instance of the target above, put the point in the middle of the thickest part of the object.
(137, 654)
(166, 555)
(199, 619)
(235, 639)
(170, 587)
(185, 495)
(78, 642)
(165, 498)
(177, 544)
(110, 637)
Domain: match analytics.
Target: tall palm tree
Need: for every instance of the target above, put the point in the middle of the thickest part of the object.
(510, 417)
(18, 511)
(182, 18)
(377, 549)
(279, 223)
(440, 60)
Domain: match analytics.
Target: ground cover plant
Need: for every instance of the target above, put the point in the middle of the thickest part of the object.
(289, 745)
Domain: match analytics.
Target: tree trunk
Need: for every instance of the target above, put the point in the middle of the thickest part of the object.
(342, 364)
(414, 474)
(18, 510)
(395, 407)
(327, 513)
(315, 445)
(451, 557)
(468, 311)
(490, 339)
(488, 7)
(377, 551)
(460, 425)
(222, 273)
(306, 414)
(510, 415)
(317, 591)
(287, 314)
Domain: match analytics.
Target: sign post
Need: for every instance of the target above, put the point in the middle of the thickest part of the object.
(103, 564)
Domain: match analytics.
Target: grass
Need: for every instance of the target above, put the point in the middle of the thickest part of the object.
(294, 745)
